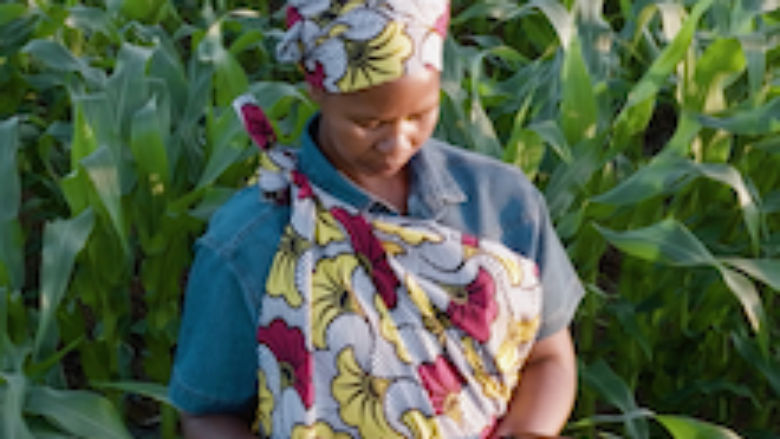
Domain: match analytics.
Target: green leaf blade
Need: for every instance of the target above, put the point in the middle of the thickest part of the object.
(683, 427)
(81, 413)
(62, 241)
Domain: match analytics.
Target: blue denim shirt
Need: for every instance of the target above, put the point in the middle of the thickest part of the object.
(216, 360)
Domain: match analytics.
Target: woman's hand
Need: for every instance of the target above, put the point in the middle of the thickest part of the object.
(215, 426)
(544, 398)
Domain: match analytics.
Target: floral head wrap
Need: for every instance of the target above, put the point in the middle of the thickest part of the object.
(348, 45)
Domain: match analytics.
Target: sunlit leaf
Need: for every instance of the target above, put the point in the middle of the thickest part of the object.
(146, 143)
(561, 19)
(84, 138)
(636, 112)
(103, 169)
(62, 241)
(683, 427)
(579, 113)
(721, 60)
(11, 11)
(746, 292)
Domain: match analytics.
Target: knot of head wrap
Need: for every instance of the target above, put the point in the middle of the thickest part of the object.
(348, 45)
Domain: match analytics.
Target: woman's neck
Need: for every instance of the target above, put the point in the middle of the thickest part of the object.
(393, 190)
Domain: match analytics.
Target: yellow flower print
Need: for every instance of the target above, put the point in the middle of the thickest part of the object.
(332, 293)
(434, 322)
(409, 235)
(326, 228)
(392, 248)
(511, 265)
(267, 163)
(389, 331)
(491, 386)
(375, 61)
(360, 397)
(418, 296)
(508, 358)
(281, 277)
(320, 430)
(421, 426)
(265, 406)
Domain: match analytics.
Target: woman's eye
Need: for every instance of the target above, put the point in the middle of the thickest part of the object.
(369, 124)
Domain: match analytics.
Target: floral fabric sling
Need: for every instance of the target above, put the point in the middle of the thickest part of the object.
(383, 326)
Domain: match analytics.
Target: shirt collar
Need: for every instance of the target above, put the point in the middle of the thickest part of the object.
(432, 187)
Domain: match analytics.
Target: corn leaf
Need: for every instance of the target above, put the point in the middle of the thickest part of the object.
(635, 114)
(616, 392)
(665, 176)
(683, 427)
(765, 270)
(670, 242)
(155, 391)
(62, 241)
(102, 167)
(127, 88)
(763, 120)
(10, 190)
(146, 143)
(80, 413)
(579, 112)
(13, 396)
(11, 238)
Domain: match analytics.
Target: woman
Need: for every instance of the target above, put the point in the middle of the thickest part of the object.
(376, 282)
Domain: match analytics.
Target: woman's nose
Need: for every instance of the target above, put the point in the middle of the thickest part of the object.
(399, 135)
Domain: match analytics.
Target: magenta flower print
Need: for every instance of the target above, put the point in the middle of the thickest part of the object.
(469, 240)
(473, 308)
(487, 432)
(443, 382)
(292, 16)
(295, 362)
(316, 78)
(371, 254)
(304, 188)
(440, 26)
(258, 125)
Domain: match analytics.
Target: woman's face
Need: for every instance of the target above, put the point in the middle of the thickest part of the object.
(374, 132)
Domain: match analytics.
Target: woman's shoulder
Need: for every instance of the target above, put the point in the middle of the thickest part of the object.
(245, 218)
(470, 168)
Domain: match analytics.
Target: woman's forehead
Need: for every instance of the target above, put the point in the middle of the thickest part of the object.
(407, 95)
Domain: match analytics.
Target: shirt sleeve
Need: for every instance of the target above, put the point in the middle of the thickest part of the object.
(561, 287)
(215, 366)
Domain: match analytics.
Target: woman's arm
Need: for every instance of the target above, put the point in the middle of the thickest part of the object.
(215, 426)
(544, 398)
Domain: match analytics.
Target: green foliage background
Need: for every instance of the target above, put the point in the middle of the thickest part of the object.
(652, 128)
